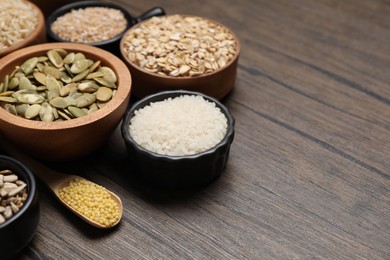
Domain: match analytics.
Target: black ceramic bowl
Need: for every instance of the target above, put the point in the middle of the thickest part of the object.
(112, 44)
(178, 171)
(18, 231)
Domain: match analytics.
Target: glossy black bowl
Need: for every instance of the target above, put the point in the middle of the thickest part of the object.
(111, 45)
(18, 231)
(177, 171)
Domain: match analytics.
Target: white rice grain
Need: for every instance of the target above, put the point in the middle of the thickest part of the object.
(184, 125)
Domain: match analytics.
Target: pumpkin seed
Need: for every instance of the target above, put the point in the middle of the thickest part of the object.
(59, 102)
(80, 65)
(8, 99)
(32, 111)
(30, 99)
(85, 100)
(29, 65)
(88, 86)
(109, 74)
(105, 82)
(48, 70)
(46, 113)
(94, 66)
(69, 58)
(25, 83)
(55, 58)
(40, 77)
(65, 90)
(77, 112)
(80, 76)
(11, 109)
(104, 94)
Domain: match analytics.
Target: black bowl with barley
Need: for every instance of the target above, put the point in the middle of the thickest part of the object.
(178, 139)
(97, 23)
(18, 226)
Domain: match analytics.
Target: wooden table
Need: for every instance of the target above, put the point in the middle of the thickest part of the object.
(309, 170)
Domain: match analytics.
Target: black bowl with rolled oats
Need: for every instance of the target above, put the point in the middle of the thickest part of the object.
(19, 207)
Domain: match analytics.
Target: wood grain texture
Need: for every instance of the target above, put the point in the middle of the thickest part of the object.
(308, 175)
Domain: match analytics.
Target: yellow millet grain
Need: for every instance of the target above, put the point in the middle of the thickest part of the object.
(91, 200)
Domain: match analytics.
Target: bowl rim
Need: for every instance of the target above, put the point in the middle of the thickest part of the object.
(160, 96)
(123, 86)
(203, 75)
(33, 35)
(84, 4)
(31, 188)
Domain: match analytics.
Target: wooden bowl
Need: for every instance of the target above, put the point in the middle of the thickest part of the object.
(216, 84)
(37, 36)
(71, 139)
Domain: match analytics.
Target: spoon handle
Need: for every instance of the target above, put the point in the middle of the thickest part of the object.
(50, 177)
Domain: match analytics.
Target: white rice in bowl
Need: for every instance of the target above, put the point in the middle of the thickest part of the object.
(184, 125)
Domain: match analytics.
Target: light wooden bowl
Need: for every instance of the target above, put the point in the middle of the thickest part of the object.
(216, 84)
(36, 37)
(71, 139)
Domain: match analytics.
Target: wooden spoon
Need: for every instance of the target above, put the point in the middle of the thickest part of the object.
(56, 180)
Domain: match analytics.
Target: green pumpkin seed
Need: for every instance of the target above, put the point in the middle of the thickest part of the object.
(29, 65)
(109, 74)
(105, 83)
(7, 93)
(21, 109)
(80, 66)
(61, 52)
(52, 83)
(65, 90)
(40, 77)
(80, 76)
(64, 115)
(77, 112)
(88, 87)
(25, 83)
(30, 98)
(69, 58)
(55, 58)
(97, 74)
(78, 56)
(11, 109)
(8, 99)
(46, 113)
(13, 83)
(94, 66)
(48, 70)
(59, 102)
(32, 111)
(65, 78)
(104, 94)
(5, 84)
(85, 100)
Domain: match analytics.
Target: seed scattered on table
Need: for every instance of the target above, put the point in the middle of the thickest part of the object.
(13, 194)
(91, 200)
(180, 46)
(58, 86)
(91, 24)
(17, 20)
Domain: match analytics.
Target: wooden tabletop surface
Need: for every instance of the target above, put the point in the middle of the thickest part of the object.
(309, 169)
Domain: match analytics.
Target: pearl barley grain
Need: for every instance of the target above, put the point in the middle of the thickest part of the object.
(89, 25)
